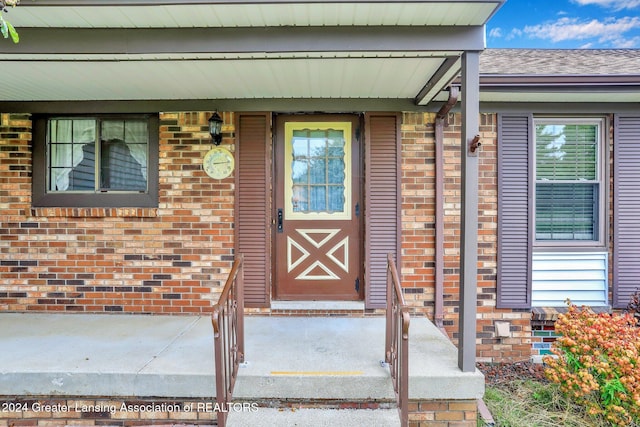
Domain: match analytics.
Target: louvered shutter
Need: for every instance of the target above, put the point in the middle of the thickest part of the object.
(253, 206)
(382, 204)
(515, 211)
(626, 206)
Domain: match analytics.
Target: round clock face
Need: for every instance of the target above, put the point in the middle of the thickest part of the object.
(218, 163)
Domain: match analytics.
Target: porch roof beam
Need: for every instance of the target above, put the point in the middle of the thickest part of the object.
(445, 73)
(330, 105)
(129, 41)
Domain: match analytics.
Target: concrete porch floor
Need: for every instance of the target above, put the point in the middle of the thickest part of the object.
(324, 358)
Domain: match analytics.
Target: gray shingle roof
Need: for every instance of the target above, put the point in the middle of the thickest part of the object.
(560, 61)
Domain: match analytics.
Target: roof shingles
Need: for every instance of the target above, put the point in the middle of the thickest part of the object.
(560, 61)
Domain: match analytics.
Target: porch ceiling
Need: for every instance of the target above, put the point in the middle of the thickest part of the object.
(146, 50)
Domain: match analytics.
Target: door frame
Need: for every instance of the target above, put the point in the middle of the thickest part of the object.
(277, 175)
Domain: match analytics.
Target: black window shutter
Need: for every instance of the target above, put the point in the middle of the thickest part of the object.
(626, 205)
(515, 210)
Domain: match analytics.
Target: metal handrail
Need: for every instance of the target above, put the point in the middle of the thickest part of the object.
(228, 337)
(397, 340)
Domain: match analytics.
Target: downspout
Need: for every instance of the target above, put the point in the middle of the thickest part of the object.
(441, 121)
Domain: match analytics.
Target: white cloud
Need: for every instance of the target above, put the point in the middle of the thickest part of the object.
(609, 31)
(514, 33)
(495, 32)
(614, 4)
(623, 43)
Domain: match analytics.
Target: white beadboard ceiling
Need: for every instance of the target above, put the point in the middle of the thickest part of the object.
(92, 50)
(206, 79)
(252, 14)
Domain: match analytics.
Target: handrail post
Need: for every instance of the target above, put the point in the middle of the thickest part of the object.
(227, 320)
(218, 338)
(240, 302)
(403, 392)
(397, 340)
(389, 313)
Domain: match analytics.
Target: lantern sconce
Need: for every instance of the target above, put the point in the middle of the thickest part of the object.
(215, 128)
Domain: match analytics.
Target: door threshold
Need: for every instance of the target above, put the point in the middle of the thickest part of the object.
(317, 305)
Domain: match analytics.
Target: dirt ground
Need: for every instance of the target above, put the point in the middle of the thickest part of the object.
(505, 372)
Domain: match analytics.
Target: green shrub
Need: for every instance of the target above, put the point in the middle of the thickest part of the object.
(597, 363)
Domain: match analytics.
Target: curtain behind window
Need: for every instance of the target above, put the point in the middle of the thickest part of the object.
(72, 154)
(124, 155)
(67, 138)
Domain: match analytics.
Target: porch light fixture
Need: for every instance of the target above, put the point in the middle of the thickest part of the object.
(215, 128)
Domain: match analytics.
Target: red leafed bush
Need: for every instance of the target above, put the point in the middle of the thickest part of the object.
(597, 363)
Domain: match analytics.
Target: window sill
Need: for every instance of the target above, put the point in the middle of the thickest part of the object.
(575, 247)
(95, 212)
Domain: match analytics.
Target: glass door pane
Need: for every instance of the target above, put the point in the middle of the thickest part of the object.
(318, 170)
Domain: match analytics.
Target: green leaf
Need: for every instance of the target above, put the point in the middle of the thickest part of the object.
(14, 34)
(610, 390)
(573, 362)
(3, 28)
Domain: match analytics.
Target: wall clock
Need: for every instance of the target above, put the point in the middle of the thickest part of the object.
(218, 163)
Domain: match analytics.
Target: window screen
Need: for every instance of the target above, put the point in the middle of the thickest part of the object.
(567, 181)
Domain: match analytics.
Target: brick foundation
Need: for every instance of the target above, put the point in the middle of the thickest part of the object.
(443, 413)
(57, 411)
(52, 411)
(544, 335)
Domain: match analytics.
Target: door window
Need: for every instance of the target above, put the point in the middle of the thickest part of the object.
(318, 170)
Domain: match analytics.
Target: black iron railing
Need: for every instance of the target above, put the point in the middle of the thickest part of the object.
(228, 337)
(397, 340)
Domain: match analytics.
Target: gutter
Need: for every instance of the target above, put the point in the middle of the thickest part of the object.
(441, 121)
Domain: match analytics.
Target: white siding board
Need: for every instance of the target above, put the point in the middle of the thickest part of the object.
(583, 264)
(583, 285)
(570, 275)
(580, 277)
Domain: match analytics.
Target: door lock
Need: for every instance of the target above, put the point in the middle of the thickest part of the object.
(279, 220)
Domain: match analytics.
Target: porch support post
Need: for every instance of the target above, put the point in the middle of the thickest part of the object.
(469, 212)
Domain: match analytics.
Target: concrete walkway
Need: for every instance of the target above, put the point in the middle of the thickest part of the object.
(105, 355)
(287, 358)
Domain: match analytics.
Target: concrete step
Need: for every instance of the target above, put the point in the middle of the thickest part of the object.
(314, 417)
(319, 358)
(326, 376)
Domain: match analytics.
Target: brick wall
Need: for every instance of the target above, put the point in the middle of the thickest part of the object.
(172, 259)
(543, 337)
(418, 233)
(443, 413)
(418, 211)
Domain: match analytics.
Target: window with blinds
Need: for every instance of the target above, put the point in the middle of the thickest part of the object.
(568, 180)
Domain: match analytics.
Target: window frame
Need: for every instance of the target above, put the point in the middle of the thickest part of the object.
(116, 199)
(602, 172)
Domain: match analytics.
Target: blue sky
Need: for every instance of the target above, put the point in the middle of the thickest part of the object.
(566, 24)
